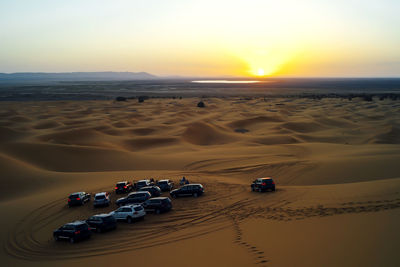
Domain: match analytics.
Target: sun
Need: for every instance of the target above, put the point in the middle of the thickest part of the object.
(260, 72)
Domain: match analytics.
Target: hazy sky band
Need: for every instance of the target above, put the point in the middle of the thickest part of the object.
(202, 38)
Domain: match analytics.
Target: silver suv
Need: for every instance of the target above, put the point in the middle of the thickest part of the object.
(101, 199)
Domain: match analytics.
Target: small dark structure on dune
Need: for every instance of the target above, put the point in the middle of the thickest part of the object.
(201, 104)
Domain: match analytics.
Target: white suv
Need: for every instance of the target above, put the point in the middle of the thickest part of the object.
(129, 213)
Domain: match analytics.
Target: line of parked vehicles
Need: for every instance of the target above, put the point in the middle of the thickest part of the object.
(143, 196)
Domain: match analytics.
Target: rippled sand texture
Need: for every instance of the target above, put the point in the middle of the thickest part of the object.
(335, 162)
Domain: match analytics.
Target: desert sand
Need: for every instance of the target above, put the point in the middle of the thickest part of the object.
(336, 164)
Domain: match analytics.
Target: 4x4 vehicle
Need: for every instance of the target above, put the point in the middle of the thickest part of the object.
(123, 187)
(188, 190)
(73, 231)
(102, 222)
(158, 204)
(101, 199)
(263, 184)
(78, 198)
(134, 198)
(129, 213)
(165, 185)
(154, 190)
(142, 183)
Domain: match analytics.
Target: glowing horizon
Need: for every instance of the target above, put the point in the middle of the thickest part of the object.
(208, 38)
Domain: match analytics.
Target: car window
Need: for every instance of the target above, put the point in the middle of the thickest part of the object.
(100, 197)
(154, 201)
(138, 208)
(67, 227)
(108, 219)
(126, 210)
(74, 196)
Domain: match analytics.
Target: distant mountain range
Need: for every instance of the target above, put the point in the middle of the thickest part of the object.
(75, 76)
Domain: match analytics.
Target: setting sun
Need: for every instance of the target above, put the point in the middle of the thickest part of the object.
(260, 72)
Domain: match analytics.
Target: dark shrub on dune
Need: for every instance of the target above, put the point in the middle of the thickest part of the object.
(201, 104)
(142, 98)
(367, 98)
(120, 98)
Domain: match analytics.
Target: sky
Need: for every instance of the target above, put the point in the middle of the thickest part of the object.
(284, 38)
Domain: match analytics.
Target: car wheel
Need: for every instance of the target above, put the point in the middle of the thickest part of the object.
(56, 238)
(174, 196)
(129, 219)
(72, 240)
(273, 189)
(98, 230)
(158, 211)
(195, 195)
(252, 189)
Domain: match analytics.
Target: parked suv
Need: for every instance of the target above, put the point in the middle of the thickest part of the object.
(188, 190)
(263, 184)
(154, 190)
(123, 187)
(78, 198)
(142, 183)
(129, 213)
(158, 204)
(101, 199)
(102, 222)
(134, 198)
(165, 185)
(73, 231)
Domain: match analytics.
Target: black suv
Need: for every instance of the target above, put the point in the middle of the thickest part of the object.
(102, 222)
(165, 185)
(134, 198)
(78, 198)
(154, 190)
(263, 184)
(158, 204)
(73, 231)
(188, 190)
(123, 187)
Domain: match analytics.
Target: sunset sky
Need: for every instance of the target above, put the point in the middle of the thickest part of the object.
(203, 38)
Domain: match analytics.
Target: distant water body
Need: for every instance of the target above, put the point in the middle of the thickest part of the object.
(224, 81)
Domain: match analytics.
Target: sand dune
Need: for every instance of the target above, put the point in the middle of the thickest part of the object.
(201, 133)
(335, 162)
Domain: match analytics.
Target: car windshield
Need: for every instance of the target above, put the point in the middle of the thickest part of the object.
(74, 196)
(138, 208)
(100, 197)
(141, 183)
(121, 184)
(67, 227)
(163, 182)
